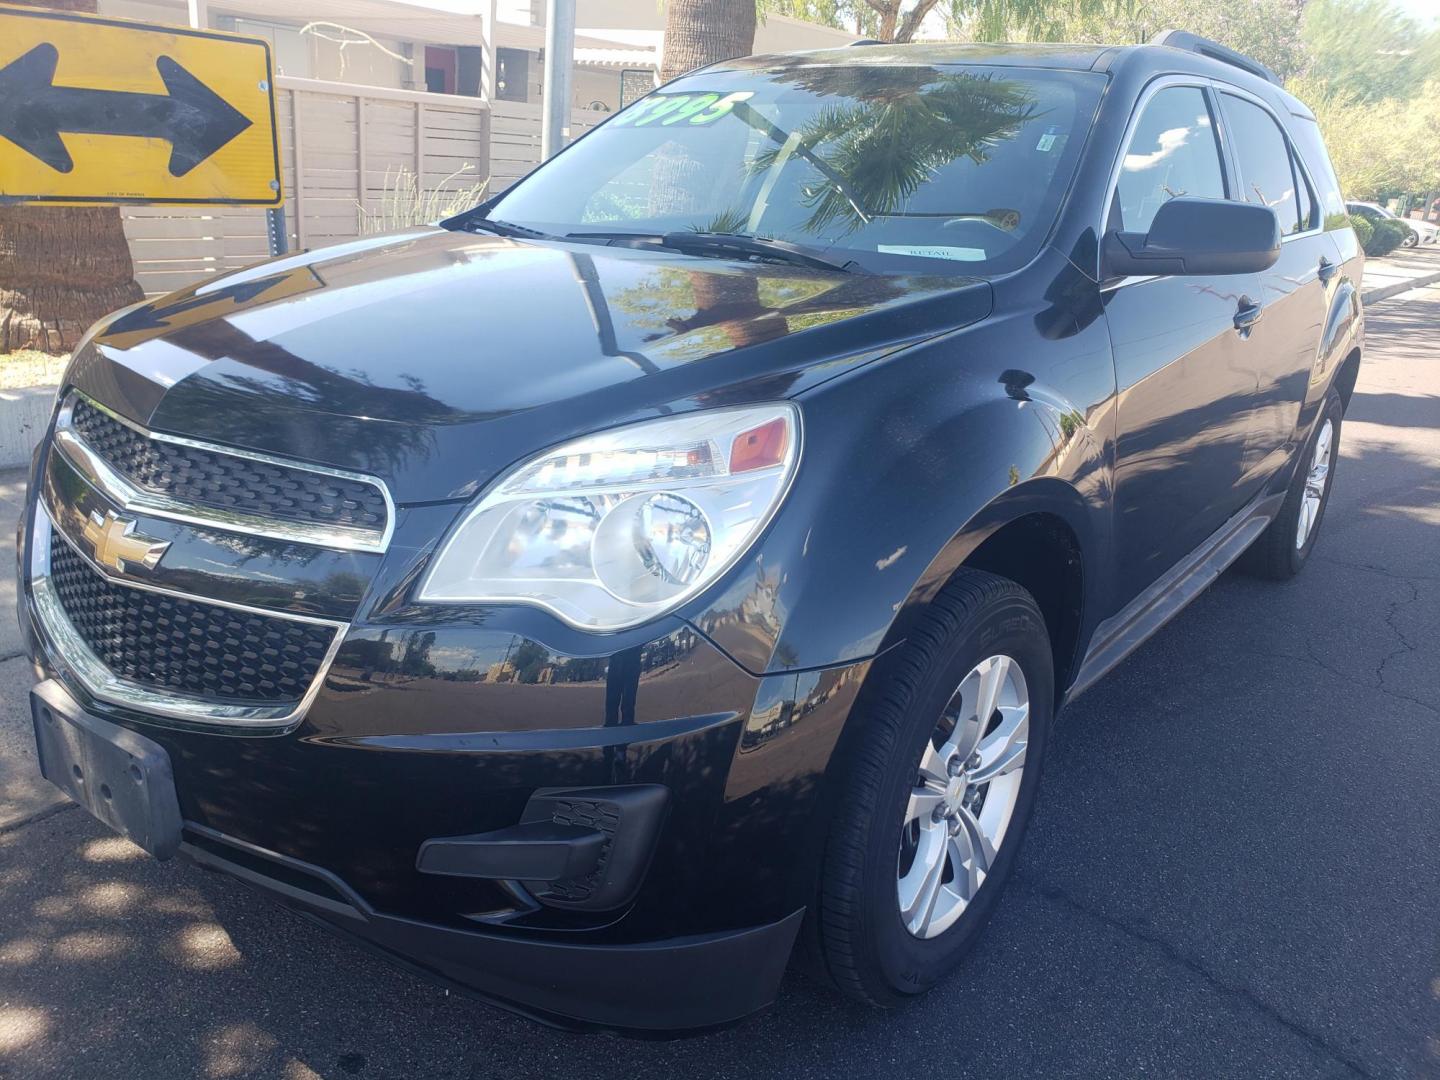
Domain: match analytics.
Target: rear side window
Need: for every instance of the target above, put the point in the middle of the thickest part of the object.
(1306, 134)
(1173, 152)
(1307, 197)
(1263, 156)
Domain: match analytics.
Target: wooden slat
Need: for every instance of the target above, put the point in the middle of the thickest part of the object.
(148, 250)
(448, 120)
(318, 86)
(169, 280)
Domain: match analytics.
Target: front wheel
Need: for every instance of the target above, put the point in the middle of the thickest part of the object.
(939, 787)
(1411, 239)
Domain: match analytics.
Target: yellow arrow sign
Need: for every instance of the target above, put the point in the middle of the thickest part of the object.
(102, 110)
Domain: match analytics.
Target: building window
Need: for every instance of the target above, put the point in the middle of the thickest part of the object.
(512, 74)
(441, 64)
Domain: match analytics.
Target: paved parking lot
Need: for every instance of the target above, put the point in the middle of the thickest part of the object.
(1234, 869)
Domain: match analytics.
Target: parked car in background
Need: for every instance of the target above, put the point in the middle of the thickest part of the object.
(683, 555)
(1419, 232)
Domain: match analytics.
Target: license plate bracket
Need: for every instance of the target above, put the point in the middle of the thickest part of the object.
(120, 776)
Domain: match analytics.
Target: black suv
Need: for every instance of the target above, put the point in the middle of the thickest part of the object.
(685, 553)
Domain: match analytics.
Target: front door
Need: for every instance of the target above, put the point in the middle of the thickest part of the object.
(1184, 358)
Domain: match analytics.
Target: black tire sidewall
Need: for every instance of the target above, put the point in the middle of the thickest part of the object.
(1010, 626)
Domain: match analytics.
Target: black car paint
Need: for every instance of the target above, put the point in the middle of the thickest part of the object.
(936, 411)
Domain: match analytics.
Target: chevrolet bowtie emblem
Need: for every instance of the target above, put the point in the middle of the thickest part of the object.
(116, 542)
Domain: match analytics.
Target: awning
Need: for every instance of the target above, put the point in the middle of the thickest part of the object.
(617, 58)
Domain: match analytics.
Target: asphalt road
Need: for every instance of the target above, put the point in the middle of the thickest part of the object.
(1234, 869)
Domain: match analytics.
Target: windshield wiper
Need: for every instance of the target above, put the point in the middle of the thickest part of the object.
(744, 245)
(636, 239)
(719, 245)
(502, 228)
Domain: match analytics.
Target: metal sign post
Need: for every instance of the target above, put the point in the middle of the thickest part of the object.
(559, 62)
(275, 230)
(101, 110)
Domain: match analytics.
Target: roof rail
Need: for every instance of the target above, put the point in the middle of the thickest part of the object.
(1194, 43)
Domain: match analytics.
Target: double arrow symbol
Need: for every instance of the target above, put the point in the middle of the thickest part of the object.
(34, 111)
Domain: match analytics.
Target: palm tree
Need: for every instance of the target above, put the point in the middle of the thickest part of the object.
(61, 268)
(891, 137)
(700, 32)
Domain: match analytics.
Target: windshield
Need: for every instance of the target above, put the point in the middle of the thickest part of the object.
(897, 168)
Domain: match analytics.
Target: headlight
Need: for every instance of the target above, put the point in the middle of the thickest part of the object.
(617, 528)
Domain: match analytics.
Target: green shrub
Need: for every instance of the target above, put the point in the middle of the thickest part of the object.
(1388, 236)
(1363, 230)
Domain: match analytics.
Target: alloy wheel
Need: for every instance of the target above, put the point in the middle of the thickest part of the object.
(1315, 481)
(964, 797)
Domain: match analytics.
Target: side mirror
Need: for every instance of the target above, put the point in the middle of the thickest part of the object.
(1197, 236)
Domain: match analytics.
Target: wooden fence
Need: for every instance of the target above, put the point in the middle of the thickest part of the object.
(515, 138)
(339, 147)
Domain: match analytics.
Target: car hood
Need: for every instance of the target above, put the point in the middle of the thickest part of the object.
(435, 358)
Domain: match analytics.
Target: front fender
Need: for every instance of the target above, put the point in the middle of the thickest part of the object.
(907, 466)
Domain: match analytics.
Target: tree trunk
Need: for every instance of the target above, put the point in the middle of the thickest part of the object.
(913, 18)
(732, 304)
(700, 32)
(888, 19)
(61, 268)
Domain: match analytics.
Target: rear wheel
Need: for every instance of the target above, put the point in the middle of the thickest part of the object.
(1283, 548)
(939, 789)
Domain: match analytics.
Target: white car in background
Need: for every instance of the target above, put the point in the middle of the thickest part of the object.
(1421, 232)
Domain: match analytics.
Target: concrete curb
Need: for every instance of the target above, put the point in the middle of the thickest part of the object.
(24, 414)
(1374, 296)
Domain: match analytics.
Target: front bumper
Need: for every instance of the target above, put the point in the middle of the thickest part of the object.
(673, 986)
(330, 825)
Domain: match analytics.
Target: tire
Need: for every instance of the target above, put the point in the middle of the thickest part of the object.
(1412, 238)
(867, 950)
(1280, 552)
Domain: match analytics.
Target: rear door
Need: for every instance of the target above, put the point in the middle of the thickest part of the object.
(1295, 293)
(1186, 372)
(1333, 217)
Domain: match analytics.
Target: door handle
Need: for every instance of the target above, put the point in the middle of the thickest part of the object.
(1326, 271)
(1247, 315)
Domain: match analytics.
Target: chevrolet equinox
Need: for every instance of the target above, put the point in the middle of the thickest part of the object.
(681, 557)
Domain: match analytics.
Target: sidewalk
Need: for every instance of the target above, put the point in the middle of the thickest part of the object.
(1401, 270)
(23, 794)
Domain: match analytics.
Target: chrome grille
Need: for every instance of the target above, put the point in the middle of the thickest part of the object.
(226, 482)
(203, 484)
(164, 642)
